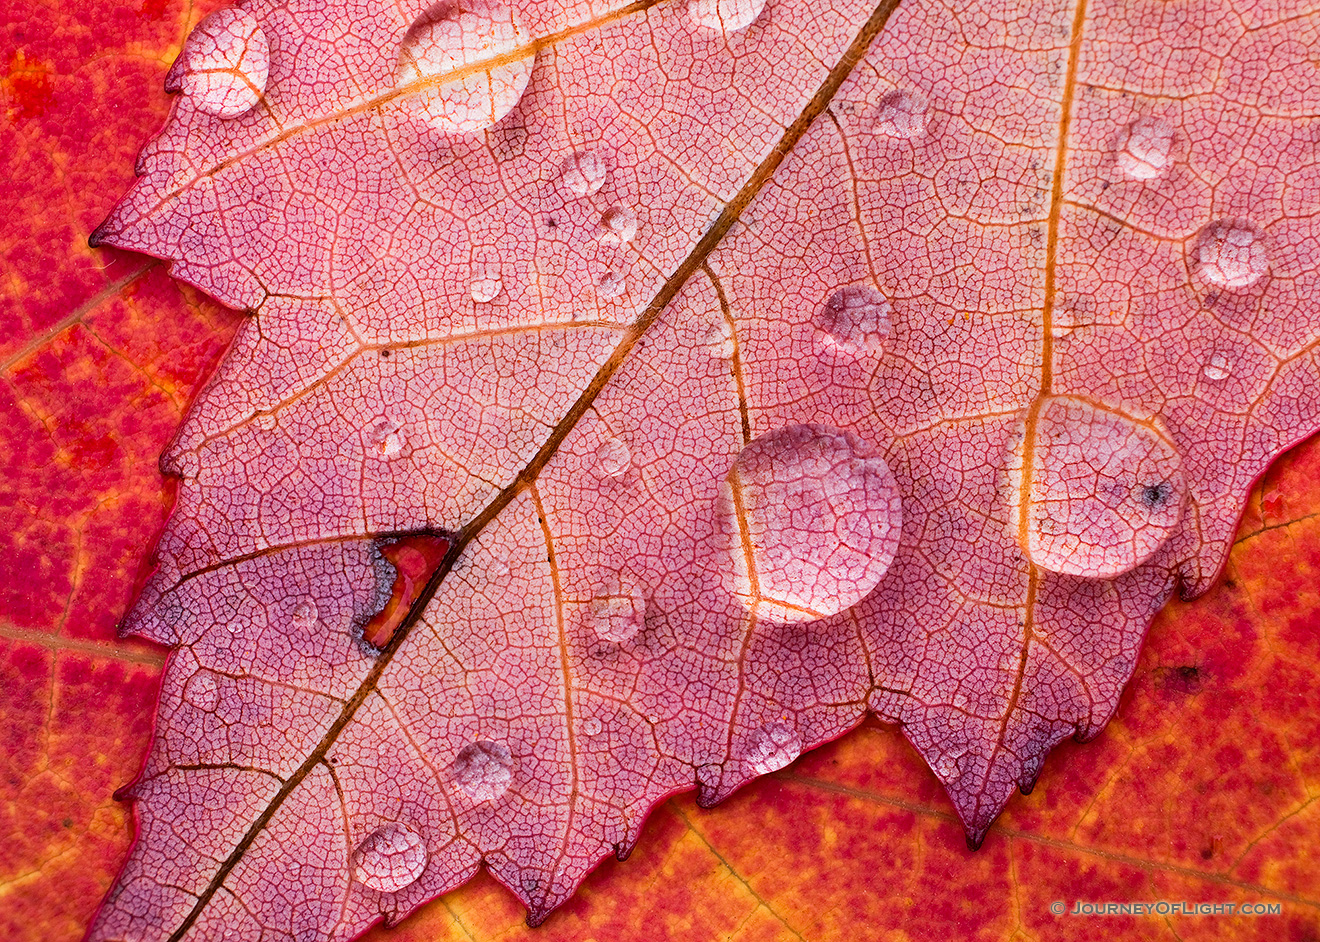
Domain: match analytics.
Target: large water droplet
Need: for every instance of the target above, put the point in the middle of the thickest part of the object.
(772, 747)
(725, 16)
(226, 64)
(583, 174)
(902, 113)
(1145, 148)
(390, 859)
(483, 770)
(617, 611)
(611, 285)
(815, 515)
(455, 36)
(618, 225)
(855, 320)
(1230, 254)
(305, 614)
(1103, 492)
(613, 458)
(486, 284)
(202, 691)
(591, 726)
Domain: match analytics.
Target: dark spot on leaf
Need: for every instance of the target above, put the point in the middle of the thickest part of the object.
(1155, 496)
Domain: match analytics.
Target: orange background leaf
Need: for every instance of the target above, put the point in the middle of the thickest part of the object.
(1200, 790)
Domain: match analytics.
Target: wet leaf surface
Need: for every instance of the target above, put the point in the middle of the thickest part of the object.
(1200, 790)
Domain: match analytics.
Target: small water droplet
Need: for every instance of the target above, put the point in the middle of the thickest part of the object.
(305, 614)
(583, 173)
(452, 36)
(1230, 254)
(266, 421)
(817, 514)
(617, 611)
(591, 726)
(1145, 148)
(618, 225)
(613, 458)
(901, 113)
(611, 285)
(483, 770)
(387, 438)
(391, 858)
(1217, 367)
(855, 320)
(226, 64)
(720, 341)
(725, 16)
(772, 747)
(486, 285)
(202, 691)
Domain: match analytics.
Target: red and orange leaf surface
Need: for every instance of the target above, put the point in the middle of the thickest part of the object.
(1076, 234)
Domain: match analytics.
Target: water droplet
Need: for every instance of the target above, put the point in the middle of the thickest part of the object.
(725, 16)
(387, 438)
(591, 726)
(266, 421)
(815, 516)
(202, 691)
(1104, 492)
(1230, 254)
(305, 614)
(617, 611)
(720, 341)
(1217, 367)
(486, 285)
(483, 770)
(583, 174)
(618, 225)
(901, 113)
(613, 458)
(611, 285)
(390, 859)
(1145, 148)
(855, 320)
(226, 64)
(453, 36)
(772, 747)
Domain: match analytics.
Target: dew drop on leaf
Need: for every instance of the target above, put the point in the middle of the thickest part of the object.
(617, 611)
(1217, 367)
(901, 113)
(483, 770)
(305, 614)
(725, 16)
(226, 64)
(772, 747)
(611, 285)
(855, 320)
(613, 458)
(618, 225)
(387, 438)
(1230, 254)
(719, 340)
(591, 726)
(1104, 493)
(202, 691)
(815, 515)
(390, 859)
(1145, 148)
(486, 285)
(583, 173)
(453, 37)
